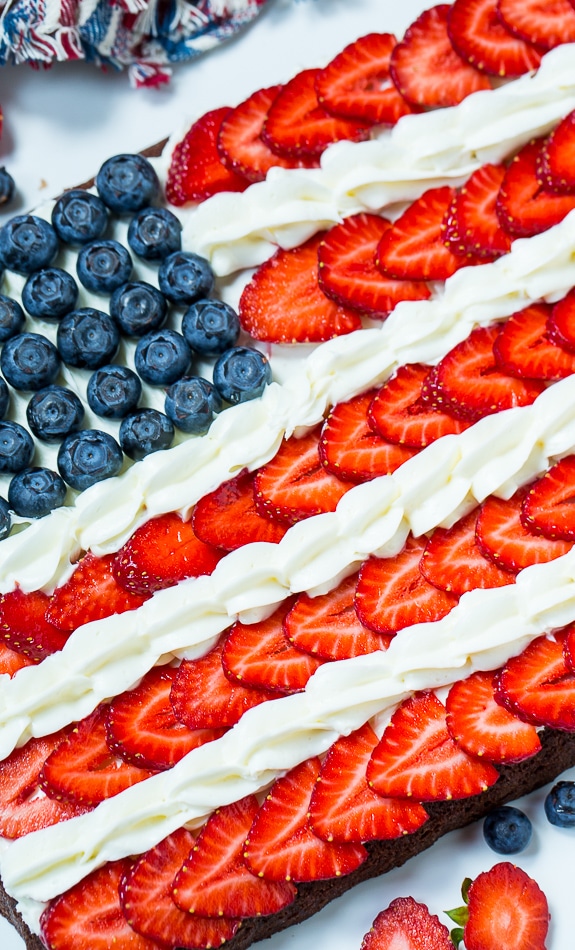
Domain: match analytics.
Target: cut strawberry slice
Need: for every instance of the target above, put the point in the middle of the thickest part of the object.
(407, 925)
(523, 347)
(91, 593)
(283, 302)
(417, 757)
(228, 518)
(561, 324)
(24, 627)
(538, 686)
(556, 160)
(506, 908)
(281, 845)
(478, 35)
(472, 226)
(524, 207)
(345, 808)
(426, 69)
(392, 593)
(502, 536)
(196, 171)
(11, 661)
(548, 506)
(347, 270)
(482, 727)
(452, 560)
(538, 21)
(214, 880)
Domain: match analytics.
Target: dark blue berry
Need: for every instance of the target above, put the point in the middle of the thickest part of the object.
(30, 361)
(7, 187)
(50, 293)
(113, 391)
(560, 805)
(103, 266)
(79, 217)
(4, 398)
(191, 403)
(162, 357)
(5, 519)
(27, 243)
(53, 413)
(87, 338)
(210, 327)
(35, 492)
(138, 308)
(127, 183)
(154, 233)
(11, 318)
(507, 830)
(241, 373)
(185, 277)
(145, 431)
(87, 457)
(16, 447)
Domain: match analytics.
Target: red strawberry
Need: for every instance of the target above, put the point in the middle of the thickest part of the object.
(91, 593)
(407, 925)
(478, 35)
(281, 845)
(347, 271)
(24, 626)
(548, 505)
(11, 661)
(506, 908)
(524, 348)
(538, 21)
(228, 518)
(417, 757)
(214, 880)
(392, 593)
(502, 536)
(482, 727)
(452, 560)
(283, 302)
(356, 84)
(524, 207)
(426, 69)
(538, 685)
(343, 806)
(557, 157)
(196, 171)
(561, 325)
(472, 226)
(162, 552)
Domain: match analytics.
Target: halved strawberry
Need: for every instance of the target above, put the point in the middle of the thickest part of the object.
(11, 661)
(214, 880)
(392, 593)
(24, 627)
(426, 69)
(407, 925)
(561, 324)
(524, 207)
(91, 593)
(344, 807)
(196, 171)
(524, 349)
(281, 845)
(452, 560)
(538, 21)
(283, 302)
(228, 518)
(548, 505)
(471, 225)
(478, 35)
(416, 756)
(556, 160)
(506, 908)
(502, 536)
(538, 685)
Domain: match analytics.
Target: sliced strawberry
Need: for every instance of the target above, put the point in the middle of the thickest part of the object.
(502, 536)
(548, 505)
(357, 85)
(482, 727)
(538, 21)
(214, 880)
(24, 627)
(11, 661)
(538, 686)
(556, 160)
(452, 560)
(506, 908)
(472, 226)
(524, 207)
(196, 171)
(228, 518)
(561, 325)
(416, 757)
(426, 69)
(392, 593)
(148, 906)
(345, 808)
(283, 302)
(478, 35)
(91, 593)
(407, 925)
(162, 552)
(523, 347)
(281, 845)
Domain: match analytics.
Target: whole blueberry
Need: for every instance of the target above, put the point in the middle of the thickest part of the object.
(138, 308)
(102, 266)
(11, 318)
(560, 805)
(191, 403)
(145, 431)
(113, 391)
(27, 243)
(50, 293)
(241, 373)
(53, 413)
(5, 519)
(154, 233)
(162, 357)
(87, 457)
(185, 277)
(79, 217)
(35, 492)
(210, 327)
(127, 183)
(507, 830)
(7, 187)
(4, 398)
(16, 447)
(30, 361)
(87, 338)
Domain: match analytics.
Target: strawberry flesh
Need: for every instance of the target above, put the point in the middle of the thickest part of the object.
(471, 225)
(502, 536)
(561, 324)
(524, 206)
(196, 171)
(557, 158)
(24, 627)
(452, 560)
(524, 349)
(227, 518)
(11, 661)
(407, 925)
(538, 21)
(506, 908)
(548, 506)
(538, 686)
(91, 593)
(479, 36)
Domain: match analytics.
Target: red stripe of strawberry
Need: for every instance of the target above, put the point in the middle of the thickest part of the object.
(523, 347)
(538, 21)
(548, 505)
(452, 560)
(196, 171)
(502, 536)
(478, 35)
(24, 626)
(91, 593)
(524, 208)
(561, 323)
(538, 686)
(556, 164)
(407, 925)
(472, 226)
(506, 908)
(228, 518)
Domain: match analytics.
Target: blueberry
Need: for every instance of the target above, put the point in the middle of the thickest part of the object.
(7, 187)
(127, 183)
(11, 318)
(87, 338)
(507, 830)
(30, 361)
(185, 277)
(241, 373)
(16, 447)
(50, 293)
(87, 457)
(191, 403)
(53, 413)
(138, 308)
(560, 805)
(35, 492)
(103, 266)
(210, 327)
(154, 233)
(27, 243)
(5, 519)
(144, 432)
(4, 398)
(113, 391)
(162, 357)
(79, 217)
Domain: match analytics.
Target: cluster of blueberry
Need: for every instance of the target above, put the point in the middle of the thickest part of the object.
(508, 830)
(89, 339)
